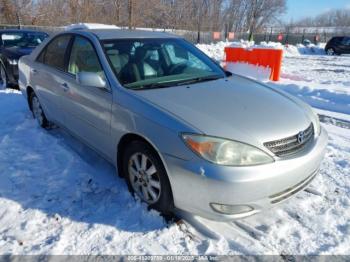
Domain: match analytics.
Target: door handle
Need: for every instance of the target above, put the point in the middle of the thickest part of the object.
(33, 71)
(65, 86)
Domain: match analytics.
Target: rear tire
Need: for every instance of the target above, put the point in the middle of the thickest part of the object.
(37, 110)
(147, 178)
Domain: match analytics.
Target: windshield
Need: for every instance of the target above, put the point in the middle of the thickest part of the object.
(155, 63)
(22, 39)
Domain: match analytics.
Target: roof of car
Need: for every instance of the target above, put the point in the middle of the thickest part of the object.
(105, 34)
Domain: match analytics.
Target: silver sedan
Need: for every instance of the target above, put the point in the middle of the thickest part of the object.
(183, 132)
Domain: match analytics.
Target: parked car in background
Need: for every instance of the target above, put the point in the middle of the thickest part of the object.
(183, 132)
(338, 45)
(13, 45)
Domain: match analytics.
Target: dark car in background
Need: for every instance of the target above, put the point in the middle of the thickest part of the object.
(338, 45)
(13, 45)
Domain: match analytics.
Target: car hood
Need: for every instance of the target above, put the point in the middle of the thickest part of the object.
(17, 52)
(235, 108)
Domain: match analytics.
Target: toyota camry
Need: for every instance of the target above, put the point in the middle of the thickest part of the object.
(183, 133)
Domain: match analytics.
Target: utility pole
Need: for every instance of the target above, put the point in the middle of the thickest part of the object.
(199, 21)
(252, 21)
(18, 15)
(19, 20)
(131, 13)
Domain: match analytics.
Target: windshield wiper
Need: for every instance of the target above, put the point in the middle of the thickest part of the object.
(177, 83)
(198, 79)
(154, 85)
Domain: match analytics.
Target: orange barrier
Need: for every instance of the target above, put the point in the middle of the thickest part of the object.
(271, 58)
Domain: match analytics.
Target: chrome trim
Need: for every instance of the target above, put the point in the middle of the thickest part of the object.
(291, 145)
(283, 195)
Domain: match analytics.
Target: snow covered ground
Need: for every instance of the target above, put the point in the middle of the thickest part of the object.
(59, 197)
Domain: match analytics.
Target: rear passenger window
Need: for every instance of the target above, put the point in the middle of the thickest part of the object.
(54, 53)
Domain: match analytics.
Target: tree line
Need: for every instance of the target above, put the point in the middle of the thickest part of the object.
(331, 18)
(194, 15)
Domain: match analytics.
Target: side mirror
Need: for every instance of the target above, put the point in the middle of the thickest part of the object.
(91, 79)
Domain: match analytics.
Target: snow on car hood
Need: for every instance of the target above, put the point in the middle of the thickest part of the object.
(235, 108)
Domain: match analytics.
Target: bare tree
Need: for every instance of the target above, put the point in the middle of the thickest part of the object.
(200, 16)
(131, 7)
(260, 12)
(8, 13)
(117, 4)
(332, 18)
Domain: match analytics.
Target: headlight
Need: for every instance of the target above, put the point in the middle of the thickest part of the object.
(226, 152)
(13, 61)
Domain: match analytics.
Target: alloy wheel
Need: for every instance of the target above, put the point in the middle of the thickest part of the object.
(330, 51)
(144, 178)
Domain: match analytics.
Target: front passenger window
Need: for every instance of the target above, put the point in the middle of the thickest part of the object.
(83, 58)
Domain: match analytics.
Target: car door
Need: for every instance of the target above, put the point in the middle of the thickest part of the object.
(87, 109)
(341, 45)
(47, 73)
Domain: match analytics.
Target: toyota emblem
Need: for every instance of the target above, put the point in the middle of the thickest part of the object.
(301, 137)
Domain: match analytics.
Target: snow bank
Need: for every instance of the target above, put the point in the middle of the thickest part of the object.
(256, 72)
(216, 50)
(262, 45)
(305, 50)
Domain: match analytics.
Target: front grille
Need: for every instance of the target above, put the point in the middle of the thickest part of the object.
(291, 145)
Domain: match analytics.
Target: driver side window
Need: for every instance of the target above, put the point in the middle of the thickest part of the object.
(83, 58)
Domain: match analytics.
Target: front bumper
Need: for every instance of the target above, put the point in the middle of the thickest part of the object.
(197, 184)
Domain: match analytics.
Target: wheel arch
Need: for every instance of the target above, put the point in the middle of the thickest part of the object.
(130, 137)
(127, 139)
(122, 145)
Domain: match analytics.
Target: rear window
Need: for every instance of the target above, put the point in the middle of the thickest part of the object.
(54, 53)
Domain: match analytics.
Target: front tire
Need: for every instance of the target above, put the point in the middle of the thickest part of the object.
(37, 110)
(330, 51)
(147, 178)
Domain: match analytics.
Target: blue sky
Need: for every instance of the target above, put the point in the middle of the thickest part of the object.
(305, 8)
